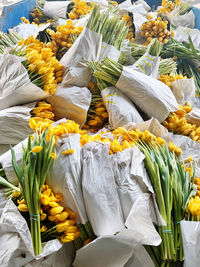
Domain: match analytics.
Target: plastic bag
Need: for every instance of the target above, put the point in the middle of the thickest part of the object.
(17, 248)
(99, 191)
(71, 103)
(26, 30)
(65, 175)
(15, 85)
(14, 123)
(120, 109)
(151, 95)
(182, 35)
(186, 20)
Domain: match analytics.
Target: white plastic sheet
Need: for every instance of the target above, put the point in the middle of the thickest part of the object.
(120, 109)
(15, 85)
(184, 91)
(14, 124)
(87, 47)
(191, 242)
(56, 9)
(26, 30)
(151, 95)
(186, 20)
(99, 191)
(71, 103)
(65, 175)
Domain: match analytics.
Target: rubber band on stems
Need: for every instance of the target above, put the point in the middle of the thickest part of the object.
(35, 217)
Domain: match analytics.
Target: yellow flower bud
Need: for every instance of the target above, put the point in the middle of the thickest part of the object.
(16, 194)
(43, 229)
(68, 152)
(72, 214)
(43, 217)
(37, 149)
(115, 146)
(23, 208)
(63, 216)
(56, 210)
(53, 204)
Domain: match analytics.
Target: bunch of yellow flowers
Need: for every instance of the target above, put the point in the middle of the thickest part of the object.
(168, 79)
(43, 62)
(129, 23)
(57, 221)
(62, 38)
(168, 6)
(177, 123)
(81, 8)
(156, 29)
(193, 209)
(97, 113)
(43, 110)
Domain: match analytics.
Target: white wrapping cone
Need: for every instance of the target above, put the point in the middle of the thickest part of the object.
(15, 124)
(120, 109)
(184, 90)
(26, 30)
(182, 35)
(16, 237)
(148, 65)
(71, 103)
(56, 9)
(152, 96)
(15, 85)
(99, 191)
(186, 20)
(65, 176)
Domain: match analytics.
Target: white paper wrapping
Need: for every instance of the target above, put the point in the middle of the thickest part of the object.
(15, 236)
(120, 109)
(65, 176)
(15, 85)
(148, 65)
(193, 117)
(109, 51)
(14, 124)
(182, 35)
(86, 48)
(99, 191)
(26, 30)
(191, 242)
(71, 103)
(140, 258)
(56, 9)
(138, 20)
(186, 20)
(184, 91)
(152, 96)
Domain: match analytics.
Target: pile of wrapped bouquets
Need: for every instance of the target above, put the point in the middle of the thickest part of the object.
(100, 136)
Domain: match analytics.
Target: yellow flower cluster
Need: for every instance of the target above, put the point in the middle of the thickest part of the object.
(177, 123)
(43, 62)
(51, 210)
(43, 110)
(97, 114)
(37, 15)
(63, 36)
(168, 6)
(80, 8)
(197, 183)
(129, 23)
(168, 79)
(24, 20)
(156, 29)
(125, 139)
(193, 209)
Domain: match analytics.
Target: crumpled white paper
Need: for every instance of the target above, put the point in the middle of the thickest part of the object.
(86, 48)
(152, 96)
(71, 103)
(191, 242)
(26, 30)
(99, 191)
(16, 239)
(194, 116)
(186, 20)
(65, 175)
(15, 124)
(182, 35)
(15, 85)
(56, 9)
(184, 91)
(148, 65)
(120, 109)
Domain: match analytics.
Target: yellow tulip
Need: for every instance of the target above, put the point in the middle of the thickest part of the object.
(43, 217)
(37, 149)
(68, 152)
(53, 155)
(16, 194)
(43, 229)
(22, 207)
(56, 210)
